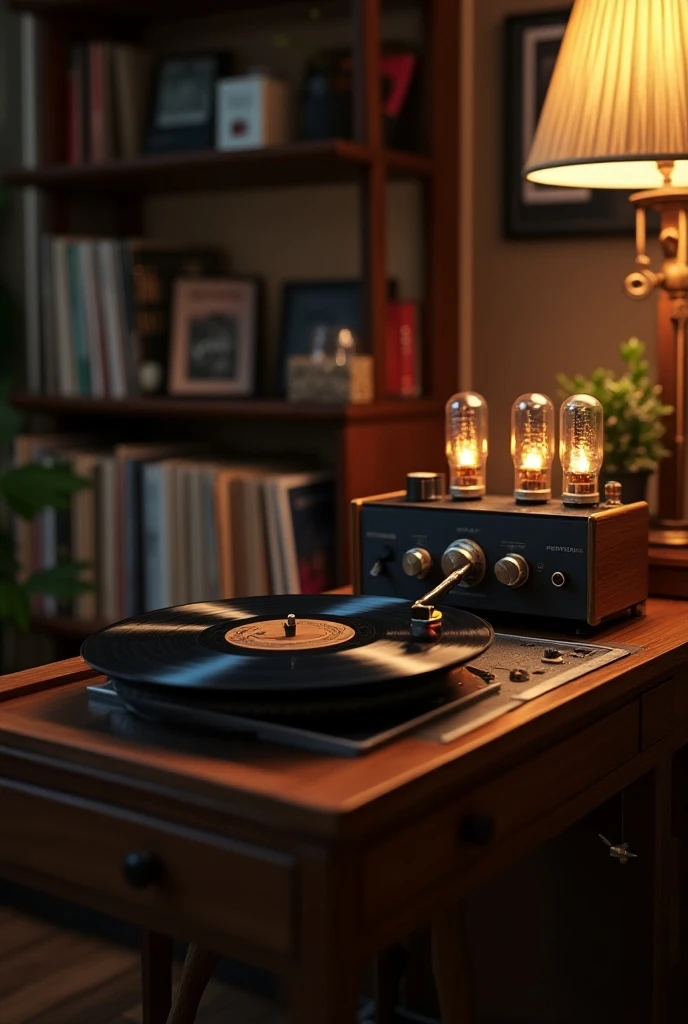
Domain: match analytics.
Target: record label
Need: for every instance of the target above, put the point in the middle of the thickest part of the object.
(270, 635)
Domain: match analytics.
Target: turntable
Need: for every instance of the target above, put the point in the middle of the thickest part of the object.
(337, 674)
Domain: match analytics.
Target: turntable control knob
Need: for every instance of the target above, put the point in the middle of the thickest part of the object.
(457, 554)
(417, 562)
(512, 570)
(425, 486)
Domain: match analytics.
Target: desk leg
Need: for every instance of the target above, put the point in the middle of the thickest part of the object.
(451, 966)
(199, 965)
(156, 977)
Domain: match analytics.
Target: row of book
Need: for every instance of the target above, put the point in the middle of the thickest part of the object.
(106, 312)
(106, 87)
(163, 525)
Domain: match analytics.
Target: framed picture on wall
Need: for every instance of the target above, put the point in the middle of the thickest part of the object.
(214, 336)
(532, 43)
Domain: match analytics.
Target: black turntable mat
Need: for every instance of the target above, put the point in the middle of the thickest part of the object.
(240, 646)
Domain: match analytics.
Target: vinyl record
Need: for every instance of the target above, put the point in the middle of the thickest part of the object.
(241, 646)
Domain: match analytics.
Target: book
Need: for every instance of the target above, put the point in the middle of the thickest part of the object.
(403, 350)
(78, 320)
(114, 328)
(131, 66)
(67, 374)
(307, 524)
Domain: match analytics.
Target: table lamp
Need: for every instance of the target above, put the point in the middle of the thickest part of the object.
(616, 116)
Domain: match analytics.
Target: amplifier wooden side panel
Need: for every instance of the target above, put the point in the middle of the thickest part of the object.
(618, 560)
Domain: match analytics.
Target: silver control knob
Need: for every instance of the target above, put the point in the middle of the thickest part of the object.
(417, 562)
(457, 554)
(512, 570)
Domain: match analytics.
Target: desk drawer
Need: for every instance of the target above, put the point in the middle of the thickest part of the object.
(209, 884)
(433, 849)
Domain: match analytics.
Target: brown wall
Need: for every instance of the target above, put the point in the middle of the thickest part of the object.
(540, 306)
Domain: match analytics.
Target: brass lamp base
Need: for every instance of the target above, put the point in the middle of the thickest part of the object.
(669, 531)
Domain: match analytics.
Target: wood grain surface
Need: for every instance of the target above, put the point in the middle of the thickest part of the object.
(85, 980)
(308, 794)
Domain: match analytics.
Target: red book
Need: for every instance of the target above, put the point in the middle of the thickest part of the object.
(403, 350)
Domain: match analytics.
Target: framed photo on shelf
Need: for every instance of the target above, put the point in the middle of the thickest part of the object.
(182, 102)
(532, 43)
(310, 305)
(214, 336)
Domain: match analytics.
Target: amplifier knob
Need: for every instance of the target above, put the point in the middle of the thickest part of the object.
(457, 554)
(417, 562)
(512, 570)
(425, 486)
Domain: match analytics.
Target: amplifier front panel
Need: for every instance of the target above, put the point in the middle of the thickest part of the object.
(555, 549)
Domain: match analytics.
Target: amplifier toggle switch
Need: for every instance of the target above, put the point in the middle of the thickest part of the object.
(417, 562)
(512, 570)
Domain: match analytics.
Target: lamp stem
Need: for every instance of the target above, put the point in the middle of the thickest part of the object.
(679, 319)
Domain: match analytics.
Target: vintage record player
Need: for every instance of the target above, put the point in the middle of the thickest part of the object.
(336, 674)
(411, 650)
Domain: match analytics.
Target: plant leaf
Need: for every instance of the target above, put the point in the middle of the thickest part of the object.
(28, 489)
(10, 422)
(61, 581)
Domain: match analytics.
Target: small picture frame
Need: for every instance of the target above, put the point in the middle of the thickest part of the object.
(214, 336)
(308, 305)
(532, 43)
(182, 103)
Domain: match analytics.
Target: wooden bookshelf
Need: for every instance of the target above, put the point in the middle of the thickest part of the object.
(300, 163)
(237, 409)
(371, 447)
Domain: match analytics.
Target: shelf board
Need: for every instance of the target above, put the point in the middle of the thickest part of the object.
(234, 409)
(142, 11)
(64, 626)
(298, 163)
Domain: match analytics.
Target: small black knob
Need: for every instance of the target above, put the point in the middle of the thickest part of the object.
(142, 869)
(477, 829)
(425, 486)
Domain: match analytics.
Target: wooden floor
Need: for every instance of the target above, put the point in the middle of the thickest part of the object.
(52, 976)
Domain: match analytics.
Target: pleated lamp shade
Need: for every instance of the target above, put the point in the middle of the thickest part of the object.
(618, 98)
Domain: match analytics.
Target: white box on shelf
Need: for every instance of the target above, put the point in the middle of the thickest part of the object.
(251, 111)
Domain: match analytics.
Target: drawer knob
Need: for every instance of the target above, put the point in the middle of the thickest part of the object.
(142, 869)
(477, 829)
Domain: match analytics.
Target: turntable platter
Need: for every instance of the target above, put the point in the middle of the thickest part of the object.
(242, 646)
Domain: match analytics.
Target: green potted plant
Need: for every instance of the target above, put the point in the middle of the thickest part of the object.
(633, 418)
(26, 490)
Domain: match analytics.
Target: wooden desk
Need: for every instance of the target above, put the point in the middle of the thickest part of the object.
(306, 864)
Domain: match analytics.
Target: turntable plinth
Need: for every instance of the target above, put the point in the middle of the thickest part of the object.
(306, 865)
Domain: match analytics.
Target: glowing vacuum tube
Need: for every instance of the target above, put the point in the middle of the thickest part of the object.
(532, 447)
(466, 436)
(581, 441)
